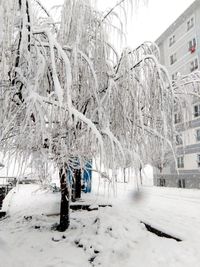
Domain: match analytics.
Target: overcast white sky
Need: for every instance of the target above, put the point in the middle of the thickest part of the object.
(152, 20)
(149, 21)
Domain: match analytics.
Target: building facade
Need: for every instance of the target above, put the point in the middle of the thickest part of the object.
(180, 53)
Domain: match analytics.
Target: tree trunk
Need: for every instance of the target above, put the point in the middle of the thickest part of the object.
(65, 199)
(77, 177)
(141, 182)
(124, 172)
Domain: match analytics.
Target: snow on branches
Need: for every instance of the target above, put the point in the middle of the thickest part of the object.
(66, 98)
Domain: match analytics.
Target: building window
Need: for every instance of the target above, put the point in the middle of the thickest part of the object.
(197, 110)
(198, 135)
(194, 65)
(173, 59)
(180, 162)
(177, 118)
(161, 182)
(192, 45)
(179, 140)
(172, 40)
(190, 24)
(198, 160)
(181, 183)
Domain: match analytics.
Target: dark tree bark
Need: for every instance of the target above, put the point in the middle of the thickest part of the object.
(28, 26)
(141, 182)
(65, 199)
(77, 177)
(18, 56)
(76, 186)
(124, 171)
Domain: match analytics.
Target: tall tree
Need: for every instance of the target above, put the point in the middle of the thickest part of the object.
(68, 95)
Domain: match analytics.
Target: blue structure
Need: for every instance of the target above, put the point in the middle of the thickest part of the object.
(87, 177)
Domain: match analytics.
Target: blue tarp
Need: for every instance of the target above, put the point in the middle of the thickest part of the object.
(86, 176)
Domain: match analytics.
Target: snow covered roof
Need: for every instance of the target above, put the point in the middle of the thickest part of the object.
(183, 17)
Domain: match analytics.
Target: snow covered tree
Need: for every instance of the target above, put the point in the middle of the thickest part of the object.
(68, 96)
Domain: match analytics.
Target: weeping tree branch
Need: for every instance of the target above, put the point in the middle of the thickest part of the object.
(47, 13)
(112, 9)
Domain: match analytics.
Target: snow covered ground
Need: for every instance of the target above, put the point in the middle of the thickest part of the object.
(110, 236)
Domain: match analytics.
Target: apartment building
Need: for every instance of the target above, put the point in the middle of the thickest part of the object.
(180, 53)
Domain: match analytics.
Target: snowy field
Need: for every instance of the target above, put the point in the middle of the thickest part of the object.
(110, 236)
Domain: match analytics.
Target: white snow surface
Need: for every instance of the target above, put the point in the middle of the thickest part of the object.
(111, 236)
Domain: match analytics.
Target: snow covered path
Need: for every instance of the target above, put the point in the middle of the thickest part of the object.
(173, 211)
(108, 237)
